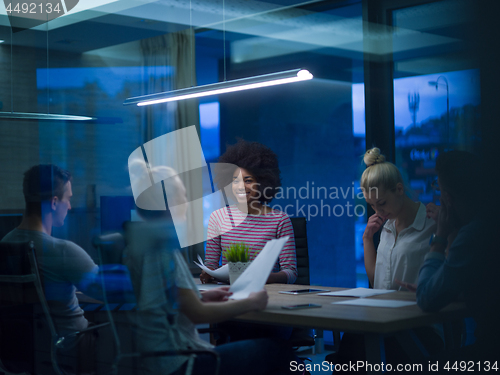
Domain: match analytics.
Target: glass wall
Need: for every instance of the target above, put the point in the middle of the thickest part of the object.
(89, 61)
(436, 93)
(436, 88)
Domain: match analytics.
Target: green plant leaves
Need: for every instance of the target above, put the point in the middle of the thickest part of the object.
(237, 252)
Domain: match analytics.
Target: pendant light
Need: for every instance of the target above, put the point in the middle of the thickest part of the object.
(279, 78)
(29, 115)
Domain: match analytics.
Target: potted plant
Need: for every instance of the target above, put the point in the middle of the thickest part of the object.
(238, 259)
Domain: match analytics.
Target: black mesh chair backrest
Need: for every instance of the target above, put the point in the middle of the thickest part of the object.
(14, 262)
(18, 298)
(111, 246)
(26, 326)
(302, 250)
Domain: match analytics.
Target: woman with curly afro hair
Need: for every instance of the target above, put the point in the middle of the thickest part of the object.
(249, 174)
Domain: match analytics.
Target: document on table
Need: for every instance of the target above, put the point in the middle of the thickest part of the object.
(209, 286)
(375, 303)
(255, 276)
(221, 273)
(357, 292)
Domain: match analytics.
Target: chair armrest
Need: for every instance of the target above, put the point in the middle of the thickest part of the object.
(61, 342)
(162, 353)
(224, 335)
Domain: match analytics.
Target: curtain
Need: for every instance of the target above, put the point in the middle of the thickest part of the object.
(169, 64)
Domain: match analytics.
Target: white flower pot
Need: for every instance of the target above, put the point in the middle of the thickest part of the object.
(236, 269)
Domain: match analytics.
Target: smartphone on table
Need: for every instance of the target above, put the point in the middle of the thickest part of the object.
(303, 291)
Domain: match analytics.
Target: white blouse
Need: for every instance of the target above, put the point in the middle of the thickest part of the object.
(402, 258)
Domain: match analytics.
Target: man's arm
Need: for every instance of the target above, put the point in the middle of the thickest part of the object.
(431, 295)
(438, 281)
(442, 279)
(79, 268)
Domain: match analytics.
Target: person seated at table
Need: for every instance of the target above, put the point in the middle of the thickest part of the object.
(161, 281)
(404, 241)
(470, 267)
(255, 182)
(406, 229)
(63, 265)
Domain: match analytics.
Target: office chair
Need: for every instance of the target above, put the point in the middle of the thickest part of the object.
(302, 337)
(305, 337)
(301, 249)
(20, 302)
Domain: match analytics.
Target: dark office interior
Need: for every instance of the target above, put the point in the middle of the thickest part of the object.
(414, 78)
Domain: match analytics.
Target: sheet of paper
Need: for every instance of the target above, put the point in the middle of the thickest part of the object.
(208, 286)
(375, 303)
(255, 276)
(357, 292)
(221, 273)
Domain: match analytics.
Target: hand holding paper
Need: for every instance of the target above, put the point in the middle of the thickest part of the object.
(255, 276)
(221, 273)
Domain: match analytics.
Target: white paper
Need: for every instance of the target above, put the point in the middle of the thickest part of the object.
(375, 303)
(221, 273)
(357, 292)
(255, 276)
(208, 286)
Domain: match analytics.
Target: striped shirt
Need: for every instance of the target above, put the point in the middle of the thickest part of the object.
(229, 225)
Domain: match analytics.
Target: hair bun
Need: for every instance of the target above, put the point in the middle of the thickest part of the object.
(373, 156)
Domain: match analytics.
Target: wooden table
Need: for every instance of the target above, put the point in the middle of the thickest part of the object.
(373, 322)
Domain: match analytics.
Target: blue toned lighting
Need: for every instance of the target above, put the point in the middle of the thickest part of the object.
(289, 76)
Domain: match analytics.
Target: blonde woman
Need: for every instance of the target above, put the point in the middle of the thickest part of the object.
(406, 229)
(404, 242)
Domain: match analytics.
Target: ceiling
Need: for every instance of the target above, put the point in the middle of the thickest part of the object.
(255, 29)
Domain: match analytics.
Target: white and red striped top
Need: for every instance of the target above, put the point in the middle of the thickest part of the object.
(253, 230)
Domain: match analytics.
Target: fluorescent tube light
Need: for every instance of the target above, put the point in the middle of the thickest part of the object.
(41, 116)
(265, 80)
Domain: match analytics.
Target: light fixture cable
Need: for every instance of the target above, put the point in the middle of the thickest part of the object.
(289, 76)
(47, 75)
(224, 35)
(11, 71)
(193, 42)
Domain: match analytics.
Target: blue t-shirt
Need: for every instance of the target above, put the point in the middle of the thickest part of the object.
(63, 266)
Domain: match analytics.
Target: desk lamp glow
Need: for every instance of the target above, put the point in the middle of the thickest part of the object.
(289, 76)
